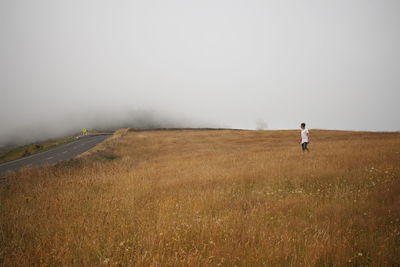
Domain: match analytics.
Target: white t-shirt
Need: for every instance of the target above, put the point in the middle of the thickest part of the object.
(304, 136)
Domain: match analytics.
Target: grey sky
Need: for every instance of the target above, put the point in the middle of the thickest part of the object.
(333, 64)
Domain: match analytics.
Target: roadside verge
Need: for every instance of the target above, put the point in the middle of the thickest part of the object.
(106, 143)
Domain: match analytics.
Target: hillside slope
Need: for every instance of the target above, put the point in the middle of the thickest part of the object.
(210, 198)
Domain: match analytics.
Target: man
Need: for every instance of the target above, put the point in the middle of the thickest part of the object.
(305, 137)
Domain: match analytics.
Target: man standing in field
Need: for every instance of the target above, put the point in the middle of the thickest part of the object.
(305, 138)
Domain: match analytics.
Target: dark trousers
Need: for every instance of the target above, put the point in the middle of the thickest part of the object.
(304, 146)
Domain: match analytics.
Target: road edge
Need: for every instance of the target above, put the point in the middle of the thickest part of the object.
(102, 146)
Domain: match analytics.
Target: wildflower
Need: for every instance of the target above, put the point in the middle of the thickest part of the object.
(349, 261)
(359, 254)
(27, 198)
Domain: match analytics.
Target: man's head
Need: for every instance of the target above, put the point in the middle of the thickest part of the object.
(303, 125)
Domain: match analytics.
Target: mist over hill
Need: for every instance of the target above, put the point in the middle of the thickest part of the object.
(67, 65)
(56, 126)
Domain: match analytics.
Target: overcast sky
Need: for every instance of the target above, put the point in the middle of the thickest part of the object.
(333, 64)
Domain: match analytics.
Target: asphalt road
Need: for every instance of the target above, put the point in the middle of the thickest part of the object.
(59, 153)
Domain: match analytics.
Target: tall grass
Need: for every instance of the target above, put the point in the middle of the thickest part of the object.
(179, 198)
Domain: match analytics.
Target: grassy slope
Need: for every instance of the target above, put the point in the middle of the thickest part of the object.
(209, 198)
(26, 150)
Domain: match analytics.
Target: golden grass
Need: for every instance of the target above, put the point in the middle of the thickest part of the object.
(198, 198)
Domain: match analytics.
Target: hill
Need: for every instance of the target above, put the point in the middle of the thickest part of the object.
(210, 198)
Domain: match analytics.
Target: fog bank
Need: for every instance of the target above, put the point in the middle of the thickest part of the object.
(66, 65)
(62, 125)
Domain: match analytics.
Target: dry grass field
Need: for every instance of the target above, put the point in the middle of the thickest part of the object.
(210, 198)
